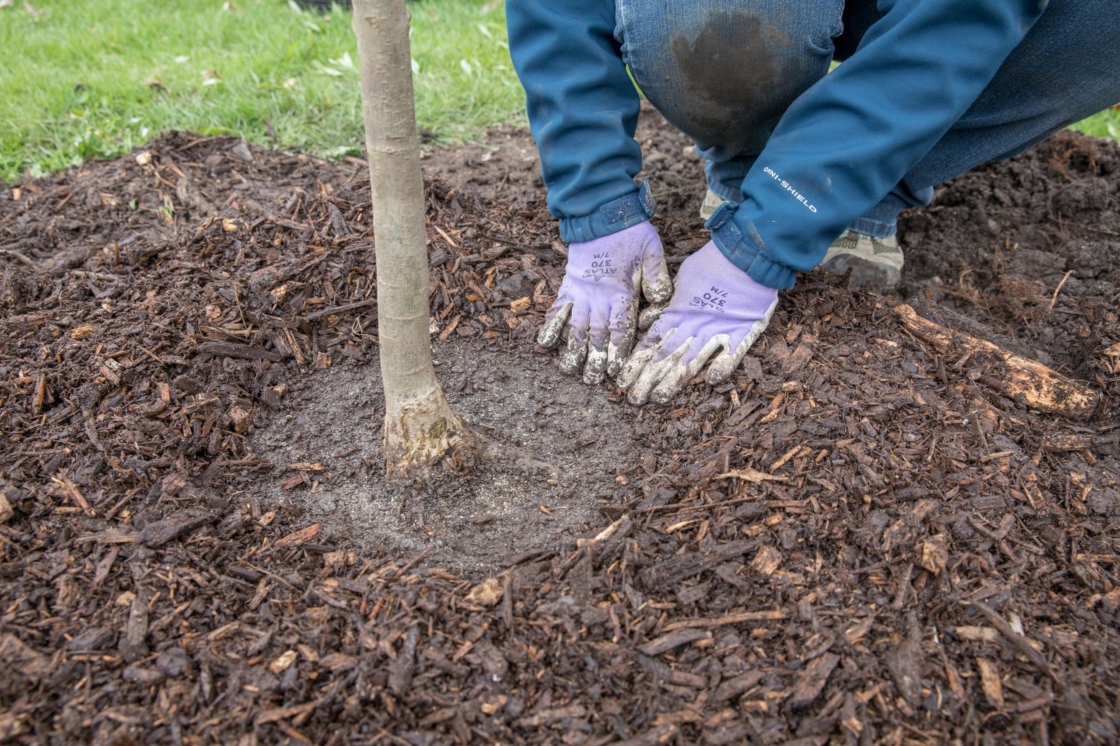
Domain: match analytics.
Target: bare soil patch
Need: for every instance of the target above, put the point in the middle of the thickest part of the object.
(562, 445)
(858, 539)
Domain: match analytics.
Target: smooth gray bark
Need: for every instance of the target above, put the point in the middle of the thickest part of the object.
(419, 424)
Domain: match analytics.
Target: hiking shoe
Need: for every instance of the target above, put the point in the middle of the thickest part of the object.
(712, 201)
(876, 263)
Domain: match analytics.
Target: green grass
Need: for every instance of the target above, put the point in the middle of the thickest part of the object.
(94, 78)
(1105, 124)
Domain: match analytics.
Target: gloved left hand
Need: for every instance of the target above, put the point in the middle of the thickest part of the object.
(598, 299)
(716, 307)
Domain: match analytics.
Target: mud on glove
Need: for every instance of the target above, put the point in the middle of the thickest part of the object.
(716, 307)
(598, 299)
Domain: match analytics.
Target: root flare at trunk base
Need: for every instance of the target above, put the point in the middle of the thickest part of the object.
(420, 434)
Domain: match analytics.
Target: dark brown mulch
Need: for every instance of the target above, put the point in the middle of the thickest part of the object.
(855, 541)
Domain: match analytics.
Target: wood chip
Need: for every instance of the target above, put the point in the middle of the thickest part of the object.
(673, 640)
(284, 713)
(977, 634)
(301, 536)
(750, 475)
(735, 686)
(935, 553)
(990, 681)
(487, 593)
(905, 663)
(1041, 387)
(812, 680)
(554, 715)
(767, 560)
(743, 617)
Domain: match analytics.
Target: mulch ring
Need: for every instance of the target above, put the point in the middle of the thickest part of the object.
(857, 540)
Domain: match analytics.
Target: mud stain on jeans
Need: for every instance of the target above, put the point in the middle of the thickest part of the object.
(740, 72)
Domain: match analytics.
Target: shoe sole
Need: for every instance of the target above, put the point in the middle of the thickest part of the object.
(865, 274)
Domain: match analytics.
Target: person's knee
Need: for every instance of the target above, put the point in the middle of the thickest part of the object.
(726, 74)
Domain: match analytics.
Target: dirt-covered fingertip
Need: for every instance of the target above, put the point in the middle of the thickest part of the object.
(647, 318)
(571, 360)
(632, 368)
(636, 399)
(720, 370)
(546, 339)
(669, 386)
(595, 370)
(659, 292)
(616, 356)
(549, 335)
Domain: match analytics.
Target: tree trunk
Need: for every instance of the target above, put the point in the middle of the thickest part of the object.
(419, 424)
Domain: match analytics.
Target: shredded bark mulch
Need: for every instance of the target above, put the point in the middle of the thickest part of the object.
(858, 540)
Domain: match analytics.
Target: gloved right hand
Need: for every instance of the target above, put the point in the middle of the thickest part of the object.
(717, 308)
(598, 299)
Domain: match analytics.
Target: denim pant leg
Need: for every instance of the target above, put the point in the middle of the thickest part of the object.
(1067, 68)
(724, 71)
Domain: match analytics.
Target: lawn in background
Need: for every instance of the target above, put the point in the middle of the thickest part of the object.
(94, 78)
(1105, 124)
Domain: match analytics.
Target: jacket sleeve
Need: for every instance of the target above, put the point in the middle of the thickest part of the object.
(849, 139)
(583, 111)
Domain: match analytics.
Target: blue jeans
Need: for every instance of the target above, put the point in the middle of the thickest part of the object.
(724, 72)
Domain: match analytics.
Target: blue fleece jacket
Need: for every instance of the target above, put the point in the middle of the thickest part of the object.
(837, 151)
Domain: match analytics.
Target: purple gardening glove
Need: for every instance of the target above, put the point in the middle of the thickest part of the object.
(716, 307)
(598, 300)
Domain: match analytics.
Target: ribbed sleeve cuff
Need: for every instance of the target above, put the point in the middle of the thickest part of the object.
(743, 250)
(612, 217)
